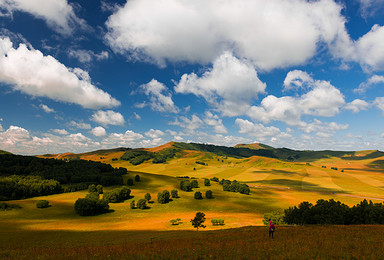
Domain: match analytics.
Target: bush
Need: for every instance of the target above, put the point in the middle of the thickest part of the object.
(163, 197)
(208, 194)
(3, 205)
(175, 221)
(142, 204)
(132, 205)
(201, 163)
(215, 179)
(42, 204)
(147, 197)
(198, 195)
(185, 185)
(217, 222)
(137, 178)
(130, 182)
(92, 195)
(174, 194)
(117, 195)
(207, 182)
(89, 207)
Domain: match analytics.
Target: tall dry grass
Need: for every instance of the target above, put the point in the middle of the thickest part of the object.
(314, 242)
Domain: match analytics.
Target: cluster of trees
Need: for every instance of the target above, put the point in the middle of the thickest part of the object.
(199, 196)
(275, 216)
(215, 179)
(217, 222)
(91, 204)
(137, 157)
(20, 187)
(176, 221)
(187, 185)
(42, 204)
(335, 212)
(235, 186)
(117, 195)
(201, 163)
(75, 171)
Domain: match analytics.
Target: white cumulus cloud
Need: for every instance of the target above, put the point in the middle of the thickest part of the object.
(80, 125)
(99, 131)
(87, 56)
(46, 108)
(256, 130)
(108, 117)
(58, 14)
(230, 85)
(154, 133)
(60, 131)
(160, 98)
(214, 121)
(357, 105)
(373, 80)
(29, 71)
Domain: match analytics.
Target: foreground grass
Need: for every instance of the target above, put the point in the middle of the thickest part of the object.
(320, 242)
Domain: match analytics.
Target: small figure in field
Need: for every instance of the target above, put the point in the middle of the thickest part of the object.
(271, 228)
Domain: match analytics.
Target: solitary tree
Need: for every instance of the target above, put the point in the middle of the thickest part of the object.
(137, 178)
(207, 182)
(198, 195)
(174, 193)
(198, 220)
(132, 205)
(142, 204)
(208, 194)
(163, 197)
(130, 182)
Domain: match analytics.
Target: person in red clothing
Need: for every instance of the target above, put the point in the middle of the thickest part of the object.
(271, 228)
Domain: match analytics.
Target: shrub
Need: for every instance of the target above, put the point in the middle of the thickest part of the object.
(208, 194)
(163, 197)
(174, 193)
(175, 221)
(207, 182)
(142, 204)
(137, 178)
(215, 179)
(92, 195)
(147, 197)
(194, 184)
(217, 222)
(198, 195)
(185, 185)
(132, 205)
(89, 207)
(201, 163)
(130, 182)
(42, 204)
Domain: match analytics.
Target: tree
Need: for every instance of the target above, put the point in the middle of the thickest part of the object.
(92, 188)
(89, 207)
(174, 193)
(198, 220)
(276, 217)
(198, 195)
(208, 194)
(130, 182)
(194, 184)
(163, 197)
(185, 185)
(147, 197)
(137, 178)
(207, 182)
(142, 204)
(99, 189)
(132, 205)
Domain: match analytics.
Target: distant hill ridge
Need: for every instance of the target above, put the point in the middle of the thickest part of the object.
(255, 146)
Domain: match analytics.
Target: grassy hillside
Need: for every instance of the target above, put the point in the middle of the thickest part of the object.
(4, 152)
(255, 146)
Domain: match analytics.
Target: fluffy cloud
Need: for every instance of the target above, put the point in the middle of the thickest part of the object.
(108, 117)
(80, 125)
(357, 105)
(229, 85)
(213, 120)
(379, 103)
(60, 131)
(99, 131)
(373, 80)
(58, 14)
(158, 100)
(270, 33)
(256, 130)
(87, 56)
(369, 8)
(46, 108)
(154, 133)
(190, 124)
(127, 139)
(323, 127)
(30, 72)
(323, 99)
(137, 116)
(298, 79)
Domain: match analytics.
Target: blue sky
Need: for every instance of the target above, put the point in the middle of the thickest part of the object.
(82, 75)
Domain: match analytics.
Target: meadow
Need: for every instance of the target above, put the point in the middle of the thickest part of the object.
(140, 234)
